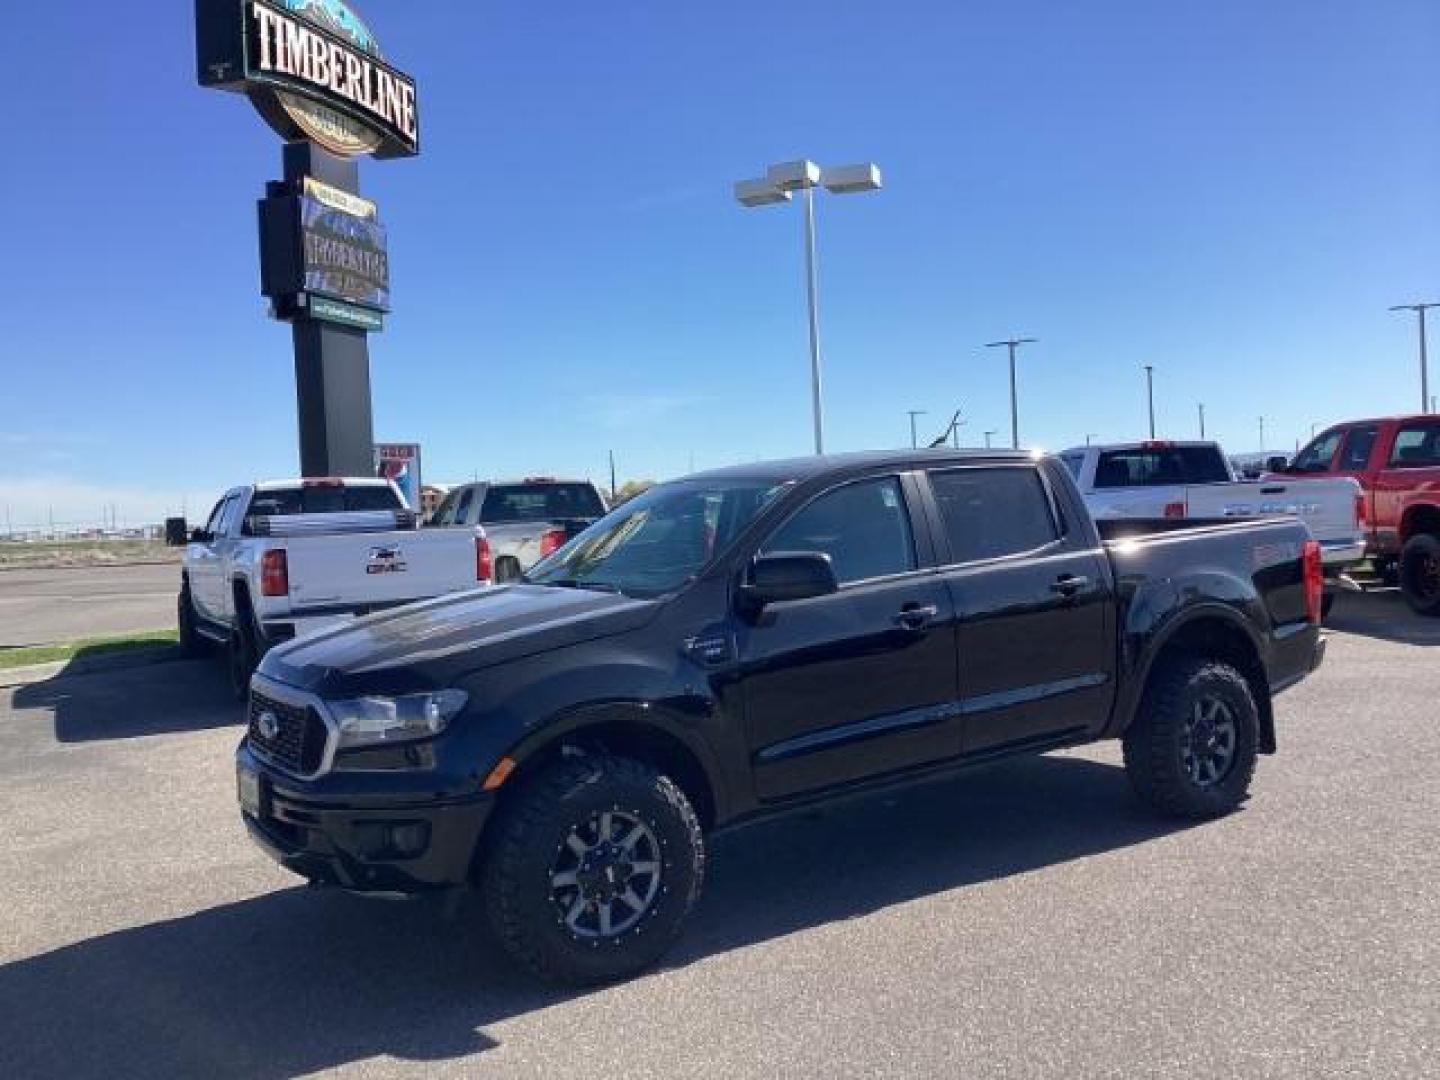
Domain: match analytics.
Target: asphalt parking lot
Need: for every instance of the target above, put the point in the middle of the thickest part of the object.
(1027, 919)
(38, 607)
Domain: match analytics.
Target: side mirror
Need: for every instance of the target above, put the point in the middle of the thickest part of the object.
(790, 575)
(175, 531)
(1278, 463)
(199, 536)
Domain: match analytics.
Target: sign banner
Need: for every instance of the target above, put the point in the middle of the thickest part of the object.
(400, 462)
(313, 70)
(344, 255)
(337, 311)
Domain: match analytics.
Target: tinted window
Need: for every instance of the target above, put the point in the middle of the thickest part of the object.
(988, 513)
(1357, 448)
(863, 527)
(540, 502)
(462, 507)
(1416, 446)
(1319, 455)
(212, 524)
(1160, 466)
(323, 499)
(1073, 463)
(445, 513)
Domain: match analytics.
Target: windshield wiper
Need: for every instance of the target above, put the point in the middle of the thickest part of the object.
(581, 583)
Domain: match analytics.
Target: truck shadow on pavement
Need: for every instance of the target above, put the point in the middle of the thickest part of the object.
(300, 980)
(1381, 612)
(152, 699)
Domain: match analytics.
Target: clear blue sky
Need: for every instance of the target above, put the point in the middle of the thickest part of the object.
(1232, 191)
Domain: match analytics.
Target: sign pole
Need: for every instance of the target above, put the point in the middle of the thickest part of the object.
(332, 362)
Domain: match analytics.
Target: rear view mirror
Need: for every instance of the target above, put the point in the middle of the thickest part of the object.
(789, 575)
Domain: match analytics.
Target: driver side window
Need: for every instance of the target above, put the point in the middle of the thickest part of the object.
(863, 527)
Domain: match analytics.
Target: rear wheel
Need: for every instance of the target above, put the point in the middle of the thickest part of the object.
(241, 658)
(1191, 751)
(1420, 573)
(192, 642)
(592, 869)
(507, 569)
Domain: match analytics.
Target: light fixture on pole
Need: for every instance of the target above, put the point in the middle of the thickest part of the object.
(1012, 344)
(913, 413)
(1200, 405)
(777, 186)
(1420, 310)
(1150, 395)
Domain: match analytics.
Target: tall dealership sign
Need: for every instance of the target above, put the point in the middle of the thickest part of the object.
(314, 71)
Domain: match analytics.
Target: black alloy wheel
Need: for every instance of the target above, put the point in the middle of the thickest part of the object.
(1420, 573)
(590, 868)
(1191, 749)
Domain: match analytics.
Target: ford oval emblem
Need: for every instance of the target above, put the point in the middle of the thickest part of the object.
(268, 725)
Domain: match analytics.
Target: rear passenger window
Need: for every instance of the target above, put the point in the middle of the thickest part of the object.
(1417, 447)
(864, 528)
(988, 513)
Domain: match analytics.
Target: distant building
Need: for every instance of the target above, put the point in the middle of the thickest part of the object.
(431, 496)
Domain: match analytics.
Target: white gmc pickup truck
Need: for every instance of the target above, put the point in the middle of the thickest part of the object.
(283, 558)
(1160, 479)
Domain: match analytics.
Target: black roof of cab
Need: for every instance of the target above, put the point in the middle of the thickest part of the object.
(807, 468)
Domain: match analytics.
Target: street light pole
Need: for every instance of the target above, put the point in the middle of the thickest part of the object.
(1011, 344)
(1150, 395)
(987, 437)
(777, 185)
(1200, 405)
(913, 413)
(1262, 433)
(1420, 310)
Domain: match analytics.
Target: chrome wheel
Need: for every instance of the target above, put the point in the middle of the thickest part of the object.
(1207, 744)
(606, 875)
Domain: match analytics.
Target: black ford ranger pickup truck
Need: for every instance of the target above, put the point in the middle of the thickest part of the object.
(738, 642)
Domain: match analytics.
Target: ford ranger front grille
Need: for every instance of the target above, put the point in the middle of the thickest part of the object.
(291, 736)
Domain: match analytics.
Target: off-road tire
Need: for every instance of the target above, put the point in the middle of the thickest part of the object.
(527, 837)
(1154, 743)
(1420, 573)
(192, 642)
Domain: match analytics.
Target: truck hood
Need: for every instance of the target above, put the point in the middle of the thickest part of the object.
(435, 642)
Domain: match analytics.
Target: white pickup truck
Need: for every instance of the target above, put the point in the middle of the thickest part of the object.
(524, 520)
(283, 558)
(1160, 479)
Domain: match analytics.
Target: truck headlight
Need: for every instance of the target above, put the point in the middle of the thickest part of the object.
(367, 721)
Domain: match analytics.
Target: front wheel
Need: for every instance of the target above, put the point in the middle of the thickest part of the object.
(592, 869)
(1420, 573)
(1191, 751)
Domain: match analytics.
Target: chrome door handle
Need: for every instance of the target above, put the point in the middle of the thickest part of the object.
(916, 616)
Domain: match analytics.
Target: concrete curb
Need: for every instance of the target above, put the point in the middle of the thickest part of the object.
(87, 665)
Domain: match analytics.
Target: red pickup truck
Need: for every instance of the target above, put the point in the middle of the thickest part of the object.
(1397, 462)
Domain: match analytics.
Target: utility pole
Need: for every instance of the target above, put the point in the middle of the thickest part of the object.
(1201, 407)
(987, 437)
(1011, 344)
(612, 476)
(1420, 310)
(913, 413)
(1150, 395)
(1262, 433)
(1088, 437)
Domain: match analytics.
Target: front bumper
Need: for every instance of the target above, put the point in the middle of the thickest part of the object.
(364, 844)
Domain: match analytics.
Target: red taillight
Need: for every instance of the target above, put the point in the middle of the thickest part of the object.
(1175, 510)
(484, 571)
(1360, 510)
(274, 573)
(1314, 574)
(551, 540)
